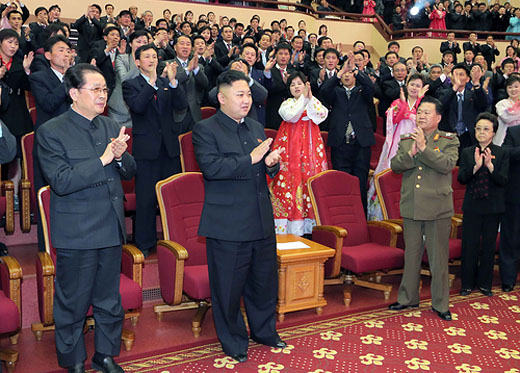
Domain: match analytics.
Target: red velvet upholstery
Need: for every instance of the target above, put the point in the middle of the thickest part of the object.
(188, 161)
(33, 114)
(337, 198)
(2, 206)
(27, 150)
(325, 136)
(380, 123)
(180, 199)
(270, 133)
(129, 185)
(376, 150)
(10, 320)
(208, 111)
(458, 191)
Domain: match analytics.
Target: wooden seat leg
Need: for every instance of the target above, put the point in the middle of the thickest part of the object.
(10, 357)
(196, 322)
(128, 338)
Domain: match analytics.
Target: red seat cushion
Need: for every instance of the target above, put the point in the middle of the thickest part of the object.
(196, 281)
(370, 257)
(129, 203)
(10, 320)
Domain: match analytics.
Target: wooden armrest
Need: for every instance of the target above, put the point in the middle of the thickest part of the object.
(456, 222)
(133, 267)
(13, 267)
(180, 252)
(47, 264)
(331, 236)
(174, 274)
(25, 205)
(8, 190)
(393, 228)
(396, 221)
(338, 231)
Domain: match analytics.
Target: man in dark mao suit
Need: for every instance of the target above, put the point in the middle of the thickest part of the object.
(152, 100)
(510, 228)
(83, 156)
(237, 218)
(426, 159)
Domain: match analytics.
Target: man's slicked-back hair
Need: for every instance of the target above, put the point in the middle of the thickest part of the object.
(54, 40)
(227, 78)
(75, 75)
(144, 48)
(439, 109)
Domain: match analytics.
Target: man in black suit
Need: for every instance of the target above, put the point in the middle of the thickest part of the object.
(106, 54)
(224, 48)
(237, 218)
(51, 100)
(109, 18)
(489, 51)
(90, 30)
(278, 90)
(451, 45)
(471, 44)
(350, 129)
(83, 156)
(510, 228)
(38, 34)
(463, 105)
(155, 145)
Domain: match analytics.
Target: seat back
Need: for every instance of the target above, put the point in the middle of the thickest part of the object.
(325, 136)
(208, 111)
(180, 199)
(388, 188)
(376, 150)
(270, 133)
(188, 161)
(459, 191)
(44, 203)
(336, 201)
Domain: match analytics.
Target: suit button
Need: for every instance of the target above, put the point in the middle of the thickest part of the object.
(258, 174)
(419, 177)
(110, 179)
(420, 168)
(114, 198)
(245, 142)
(417, 186)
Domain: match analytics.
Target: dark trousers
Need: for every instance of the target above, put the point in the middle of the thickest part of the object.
(148, 173)
(87, 278)
(510, 244)
(245, 269)
(355, 160)
(39, 182)
(479, 236)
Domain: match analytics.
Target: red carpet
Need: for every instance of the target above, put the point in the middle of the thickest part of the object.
(484, 337)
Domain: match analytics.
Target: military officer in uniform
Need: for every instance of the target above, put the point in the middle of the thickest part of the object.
(426, 158)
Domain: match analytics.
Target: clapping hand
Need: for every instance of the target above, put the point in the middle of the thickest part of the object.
(478, 159)
(274, 157)
(115, 148)
(488, 157)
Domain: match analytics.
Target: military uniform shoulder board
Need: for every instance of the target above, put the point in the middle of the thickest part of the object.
(447, 135)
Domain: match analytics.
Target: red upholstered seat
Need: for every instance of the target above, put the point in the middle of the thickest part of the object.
(188, 161)
(129, 187)
(130, 285)
(181, 256)
(208, 111)
(10, 307)
(365, 246)
(270, 133)
(376, 150)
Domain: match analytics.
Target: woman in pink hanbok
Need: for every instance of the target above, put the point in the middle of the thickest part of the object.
(400, 120)
(303, 156)
(368, 8)
(438, 20)
(508, 109)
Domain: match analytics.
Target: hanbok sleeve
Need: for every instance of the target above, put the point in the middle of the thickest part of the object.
(508, 113)
(291, 109)
(316, 111)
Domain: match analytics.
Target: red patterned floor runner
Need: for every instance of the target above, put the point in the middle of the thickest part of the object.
(484, 337)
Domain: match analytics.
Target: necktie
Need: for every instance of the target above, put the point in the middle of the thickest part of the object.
(331, 74)
(184, 64)
(460, 126)
(228, 46)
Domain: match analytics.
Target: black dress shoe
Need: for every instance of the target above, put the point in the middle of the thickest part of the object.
(465, 292)
(278, 344)
(78, 368)
(105, 364)
(398, 306)
(241, 358)
(443, 315)
(486, 292)
(507, 288)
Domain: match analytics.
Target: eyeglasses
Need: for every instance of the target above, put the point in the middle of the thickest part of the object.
(483, 129)
(97, 90)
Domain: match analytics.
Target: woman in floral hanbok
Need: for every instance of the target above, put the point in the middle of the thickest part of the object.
(400, 119)
(303, 156)
(438, 20)
(368, 8)
(508, 109)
